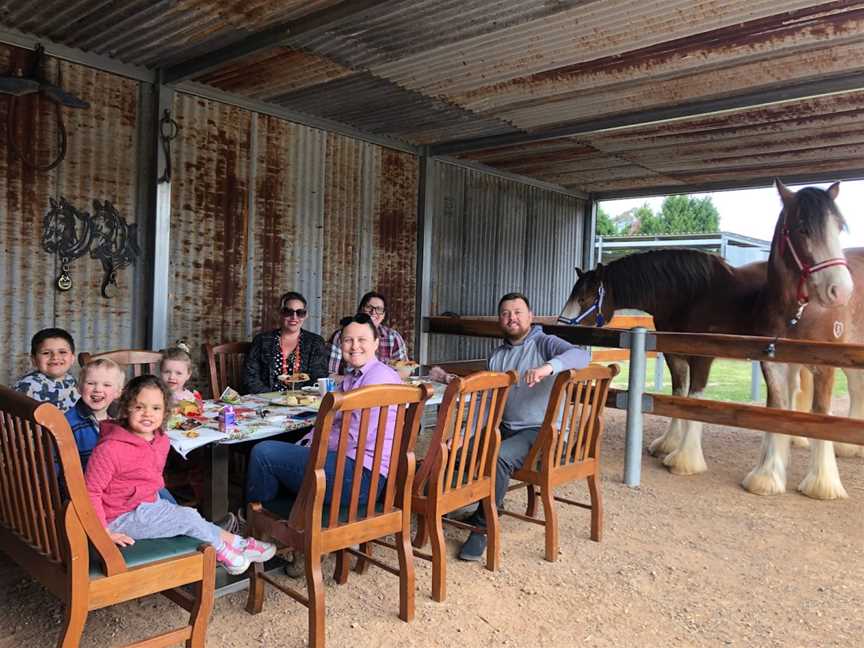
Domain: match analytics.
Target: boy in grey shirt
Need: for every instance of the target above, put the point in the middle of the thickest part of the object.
(536, 356)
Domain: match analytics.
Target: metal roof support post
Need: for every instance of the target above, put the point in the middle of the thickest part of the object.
(635, 390)
(589, 237)
(164, 99)
(425, 215)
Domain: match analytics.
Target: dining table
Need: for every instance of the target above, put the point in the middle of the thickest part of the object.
(257, 417)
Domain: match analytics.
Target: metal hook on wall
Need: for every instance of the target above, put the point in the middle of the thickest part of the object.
(168, 129)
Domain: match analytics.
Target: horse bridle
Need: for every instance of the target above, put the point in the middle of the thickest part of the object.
(805, 271)
(596, 306)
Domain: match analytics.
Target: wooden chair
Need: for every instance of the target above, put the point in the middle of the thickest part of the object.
(141, 362)
(49, 537)
(226, 366)
(459, 468)
(308, 526)
(567, 451)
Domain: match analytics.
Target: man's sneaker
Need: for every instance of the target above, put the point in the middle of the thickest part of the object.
(234, 562)
(229, 523)
(296, 568)
(257, 551)
(474, 547)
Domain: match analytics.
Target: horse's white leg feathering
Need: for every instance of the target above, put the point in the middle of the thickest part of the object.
(769, 477)
(688, 459)
(822, 480)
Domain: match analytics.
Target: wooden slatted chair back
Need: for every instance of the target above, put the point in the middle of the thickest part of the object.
(567, 449)
(573, 426)
(137, 361)
(226, 362)
(32, 506)
(375, 407)
(49, 530)
(465, 434)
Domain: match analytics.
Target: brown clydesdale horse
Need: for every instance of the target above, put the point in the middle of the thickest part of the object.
(692, 291)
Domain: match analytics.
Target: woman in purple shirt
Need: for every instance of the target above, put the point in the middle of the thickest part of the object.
(275, 465)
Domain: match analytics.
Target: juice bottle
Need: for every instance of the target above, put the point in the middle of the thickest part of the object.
(227, 420)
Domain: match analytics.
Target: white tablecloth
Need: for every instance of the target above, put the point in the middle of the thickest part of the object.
(276, 420)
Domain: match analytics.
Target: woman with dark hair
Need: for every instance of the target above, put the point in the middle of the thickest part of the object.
(279, 465)
(278, 357)
(391, 346)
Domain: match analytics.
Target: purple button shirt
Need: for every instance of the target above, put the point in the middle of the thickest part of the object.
(373, 373)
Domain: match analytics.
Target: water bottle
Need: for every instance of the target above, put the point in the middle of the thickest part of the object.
(227, 420)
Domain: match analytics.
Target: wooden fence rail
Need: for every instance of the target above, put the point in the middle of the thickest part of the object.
(638, 341)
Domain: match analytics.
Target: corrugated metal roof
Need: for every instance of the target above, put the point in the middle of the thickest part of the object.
(428, 72)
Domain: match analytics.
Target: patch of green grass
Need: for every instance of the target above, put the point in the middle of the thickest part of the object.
(729, 381)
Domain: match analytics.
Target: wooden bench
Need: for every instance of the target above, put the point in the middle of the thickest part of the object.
(61, 543)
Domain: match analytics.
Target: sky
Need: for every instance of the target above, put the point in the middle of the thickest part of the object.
(754, 212)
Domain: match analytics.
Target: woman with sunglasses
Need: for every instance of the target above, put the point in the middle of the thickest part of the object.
(391, 346)
(285, 351)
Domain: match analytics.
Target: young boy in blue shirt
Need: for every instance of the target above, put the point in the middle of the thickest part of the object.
(100, 383)
(52, 351)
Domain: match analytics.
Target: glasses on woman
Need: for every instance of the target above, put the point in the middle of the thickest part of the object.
(290, 312)
(373, 310)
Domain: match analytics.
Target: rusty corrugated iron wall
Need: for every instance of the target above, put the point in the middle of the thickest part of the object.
(492, 236)
(102, 163)
(262, 206)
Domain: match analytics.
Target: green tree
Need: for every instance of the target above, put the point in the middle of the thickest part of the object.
(685, 214)
(647, 222)
(605, 226)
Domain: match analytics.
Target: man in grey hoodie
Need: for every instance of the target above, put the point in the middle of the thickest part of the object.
(536, 357)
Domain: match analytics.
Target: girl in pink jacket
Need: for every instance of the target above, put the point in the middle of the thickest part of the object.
(124, 476)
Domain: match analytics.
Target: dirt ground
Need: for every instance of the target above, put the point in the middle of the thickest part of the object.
(685, 561)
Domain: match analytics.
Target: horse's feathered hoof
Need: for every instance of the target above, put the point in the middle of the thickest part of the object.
(686, 462)
(762, 482)
(822, 487)
(662, 445)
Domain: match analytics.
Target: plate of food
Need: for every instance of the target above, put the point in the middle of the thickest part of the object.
(404, 367)
(189, 408)
(293, 378)
(184, 424)
(297, 400)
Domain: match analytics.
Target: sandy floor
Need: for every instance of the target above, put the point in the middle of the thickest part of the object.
(686, 561)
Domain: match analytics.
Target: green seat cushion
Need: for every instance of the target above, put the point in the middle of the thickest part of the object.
(148, 551)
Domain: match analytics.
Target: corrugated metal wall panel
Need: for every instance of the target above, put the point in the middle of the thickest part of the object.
(26, 271)
(491, 236)
(329, 216)
(395, 262)
(207, 294)
(102, 163)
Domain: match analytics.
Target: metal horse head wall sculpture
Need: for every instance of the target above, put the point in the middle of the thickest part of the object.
(71, 233)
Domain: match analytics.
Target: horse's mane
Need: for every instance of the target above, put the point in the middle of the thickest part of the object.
(811, 203)
(645, 276)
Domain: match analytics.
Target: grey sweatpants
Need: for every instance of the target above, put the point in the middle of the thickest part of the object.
(162, 519)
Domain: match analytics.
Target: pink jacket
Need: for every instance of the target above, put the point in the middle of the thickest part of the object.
(124, 470)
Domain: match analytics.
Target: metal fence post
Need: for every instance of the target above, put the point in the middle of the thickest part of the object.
(658, 372)
(635, 390)
(755, 380)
